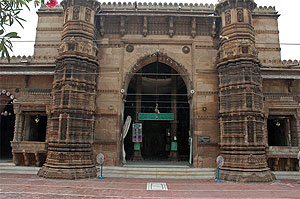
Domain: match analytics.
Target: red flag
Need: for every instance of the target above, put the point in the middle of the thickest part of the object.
(51, 3)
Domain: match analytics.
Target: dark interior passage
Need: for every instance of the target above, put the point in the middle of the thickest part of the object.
(156, 141)
(7, 130)
(158, 88)
(38, 125)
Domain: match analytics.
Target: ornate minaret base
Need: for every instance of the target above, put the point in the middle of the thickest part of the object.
(70, 137)
(241, 100)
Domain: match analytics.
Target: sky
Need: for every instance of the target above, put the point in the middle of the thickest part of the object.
(289, 27)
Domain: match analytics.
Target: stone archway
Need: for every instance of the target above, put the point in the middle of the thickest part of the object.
(7, 118)
(177, 75)
(163, 58)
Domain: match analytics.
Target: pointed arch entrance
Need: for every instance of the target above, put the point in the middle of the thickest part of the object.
(157, 98)
(7, 124)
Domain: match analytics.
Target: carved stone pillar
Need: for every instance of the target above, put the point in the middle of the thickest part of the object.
(241, 99)
(70, 138)
(18, 123)
(297, 125)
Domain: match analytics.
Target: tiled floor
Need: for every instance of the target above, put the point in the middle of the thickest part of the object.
(32, 186)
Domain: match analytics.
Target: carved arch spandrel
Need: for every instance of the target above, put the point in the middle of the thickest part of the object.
(163, 58)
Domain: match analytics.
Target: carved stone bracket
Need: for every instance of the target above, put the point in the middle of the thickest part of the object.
(194, 26)
(171, 27)
(122, 26)
(102, 19)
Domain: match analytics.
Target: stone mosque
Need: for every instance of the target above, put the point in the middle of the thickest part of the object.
(194, 81)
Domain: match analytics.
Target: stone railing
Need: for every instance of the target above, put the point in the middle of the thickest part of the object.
(282, 158)
(270, 97)
(29, 153)
(157, 6)
(282, 151)
(280, 63)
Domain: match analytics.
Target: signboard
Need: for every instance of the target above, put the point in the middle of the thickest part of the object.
(137, 146)
(203, 139)
(174, 146)
(137, 132)
(156, 116)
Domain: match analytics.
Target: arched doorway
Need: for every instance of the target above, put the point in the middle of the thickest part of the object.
(7, 126)
(157, 98)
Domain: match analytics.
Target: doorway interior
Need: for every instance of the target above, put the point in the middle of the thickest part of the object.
(7, 128)
(158, 89)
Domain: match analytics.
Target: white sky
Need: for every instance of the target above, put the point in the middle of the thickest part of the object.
(289, 27)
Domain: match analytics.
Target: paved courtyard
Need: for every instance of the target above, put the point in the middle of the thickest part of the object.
(32, 186)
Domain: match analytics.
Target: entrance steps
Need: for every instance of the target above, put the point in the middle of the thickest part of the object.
(158, 172)
(12, 168)
(154, 171)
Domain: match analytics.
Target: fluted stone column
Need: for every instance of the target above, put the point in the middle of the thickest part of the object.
(241, 99)
(70, 136)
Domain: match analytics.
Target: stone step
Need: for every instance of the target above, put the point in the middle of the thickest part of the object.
(12, 168)
(160, 172)
(291, 175)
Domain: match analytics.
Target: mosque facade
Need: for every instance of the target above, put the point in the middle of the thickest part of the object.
(193, 81)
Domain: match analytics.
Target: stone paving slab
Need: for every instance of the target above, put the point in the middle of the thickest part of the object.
(32, 186)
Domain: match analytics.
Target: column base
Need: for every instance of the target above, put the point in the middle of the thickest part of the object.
(69, 161)
(247, 175)
(67, 173)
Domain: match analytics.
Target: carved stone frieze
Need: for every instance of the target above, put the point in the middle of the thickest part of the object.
(237, 49)
(86, 47)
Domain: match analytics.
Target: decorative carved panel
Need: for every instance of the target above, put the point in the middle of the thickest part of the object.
(228, 17)
(88, 14)
(76, 11)
(240, 14)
